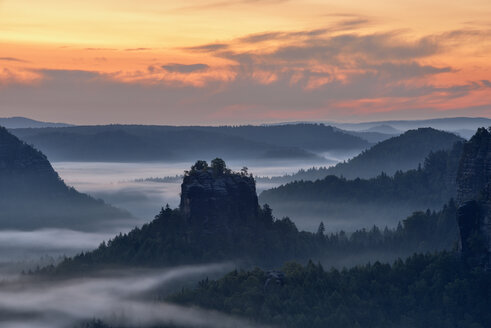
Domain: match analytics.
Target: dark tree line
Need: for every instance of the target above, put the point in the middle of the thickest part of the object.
(266, 241)
(429, 184)
(435, 291)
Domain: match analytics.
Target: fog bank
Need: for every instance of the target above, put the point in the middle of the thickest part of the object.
(120, 299)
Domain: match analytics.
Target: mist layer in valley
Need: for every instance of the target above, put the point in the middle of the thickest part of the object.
(143, 188)
(124, 298)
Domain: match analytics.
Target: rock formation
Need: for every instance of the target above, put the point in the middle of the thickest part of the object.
(218, 198)
(474, 197)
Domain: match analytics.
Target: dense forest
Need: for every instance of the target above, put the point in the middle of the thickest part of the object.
(400, 153)
(172, 143)
(429, 184)
(417, 274)
(382, 200)
(32, 195)
(422, 291)
(266, 241)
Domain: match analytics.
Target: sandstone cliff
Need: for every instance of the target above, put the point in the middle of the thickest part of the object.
(474, 197)
(218, 198)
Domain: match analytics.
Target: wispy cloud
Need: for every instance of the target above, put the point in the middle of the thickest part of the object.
(321, 72)
(208, 5)
(207, 47)
(183, 68)
(99, 49)
(51, 239)
(137, 49)
(12, 59)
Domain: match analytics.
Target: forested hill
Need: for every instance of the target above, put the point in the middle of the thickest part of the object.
(219, 219)
(422, 291)
(32, 195)
(144, 143)
(399, 153)
(24, 122)
(381, 200)
(433, 182)
(315, 137)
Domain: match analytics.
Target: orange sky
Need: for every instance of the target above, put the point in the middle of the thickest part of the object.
(243, 61)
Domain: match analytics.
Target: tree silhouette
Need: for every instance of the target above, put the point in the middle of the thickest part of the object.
(218, 165)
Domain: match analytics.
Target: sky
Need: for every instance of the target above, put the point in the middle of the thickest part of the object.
(243, 61)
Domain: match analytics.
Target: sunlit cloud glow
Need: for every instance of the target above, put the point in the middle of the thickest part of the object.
(190, 63)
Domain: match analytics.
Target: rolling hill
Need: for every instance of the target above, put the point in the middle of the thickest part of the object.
(403, 152)
(144, 143)
(24, 122)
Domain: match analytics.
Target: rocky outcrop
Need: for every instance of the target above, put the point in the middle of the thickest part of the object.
(474, 197)
(218, 199)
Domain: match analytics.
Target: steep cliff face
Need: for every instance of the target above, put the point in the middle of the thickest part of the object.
(474, 197)
(218, 199)
(219, 219)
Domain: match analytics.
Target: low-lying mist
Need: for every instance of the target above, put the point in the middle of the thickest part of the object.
(123, 299)
(27, 250)
(124, 185)
(345, 216)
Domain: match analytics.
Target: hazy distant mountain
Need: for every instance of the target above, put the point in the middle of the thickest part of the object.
(143, 143)
(372, 137)
(452, 124)
(383, 128)
(381, 200)
(465, 133)
(403, 152)
(431, 185)
(315, 137)
(32, 195)
(23, 122)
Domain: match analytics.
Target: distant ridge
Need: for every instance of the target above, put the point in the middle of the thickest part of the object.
(403, 152)
(383, 128)
(18, 122)
(453, 124)
(136, 143)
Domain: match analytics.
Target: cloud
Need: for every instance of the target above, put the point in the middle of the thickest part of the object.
(182, 68)
(269, 36)
(486, 83)
(12, 59)
(315, 73)
(378, 47)
(343, 25)
(212, 47)
(117, 298)
(137, 49)
(224, 4)
(99, 49)
(51, 239)
(14, 76)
